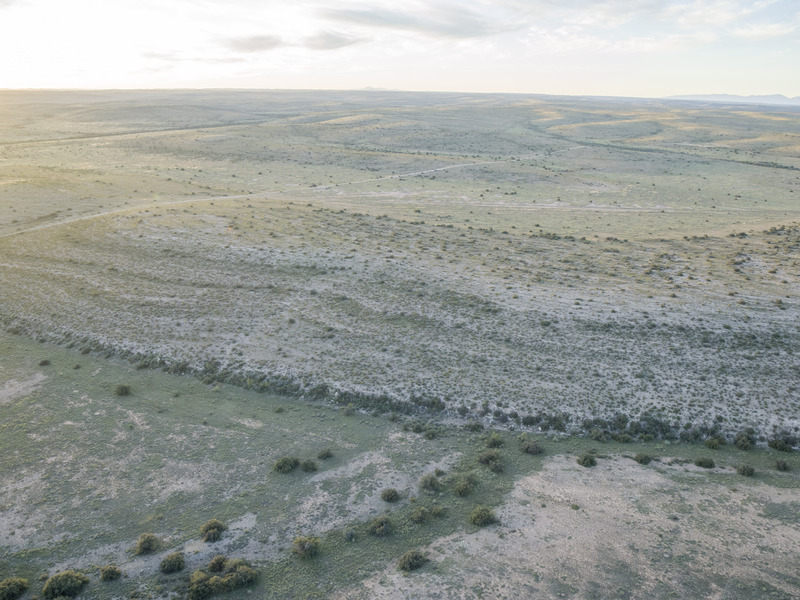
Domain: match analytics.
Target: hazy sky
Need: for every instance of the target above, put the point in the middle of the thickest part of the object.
(603, 47)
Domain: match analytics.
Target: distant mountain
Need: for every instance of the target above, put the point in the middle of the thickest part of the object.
(769, 99)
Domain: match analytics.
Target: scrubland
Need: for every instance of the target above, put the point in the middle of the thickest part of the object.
(218, 280)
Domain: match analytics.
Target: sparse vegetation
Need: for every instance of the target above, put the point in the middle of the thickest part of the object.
(211, 531)
(172, 563)
(65, 584)
(147, 544)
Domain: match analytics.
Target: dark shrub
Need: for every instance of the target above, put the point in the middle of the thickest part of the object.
(305, 547)
(390, 495)
(781, 465)
(587, 460)
(67, 583)
(704, 462)
(642, 458)
(122, 390)
(44, 362)
(715, 442)
(482, 516)
(147, 544)
(411, 561)
(780, 444)
(308, 465)
(212, 530)
(745, 470)
(172, 563)
(493, 440)
(430, 483)
(110, 573)
(12, 588)
(325, 454)
(745, 439)
(380, 525)
(287, 464)
(217, 564)
(232, 574)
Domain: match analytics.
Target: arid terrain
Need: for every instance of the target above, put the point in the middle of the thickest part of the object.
(393, 276)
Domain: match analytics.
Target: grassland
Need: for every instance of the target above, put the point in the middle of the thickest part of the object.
(250, 263)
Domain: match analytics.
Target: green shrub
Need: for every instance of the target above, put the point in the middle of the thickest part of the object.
(172, 563)
(308, 465)
(325, 454)
(411, 561)
(493, 440)
(231, 574)
(287, 464)
(212, 530)
(122, 390)
(465, 484)
(110, 573)
(305, 547)
(419, 515)
(67, 583)
(217, 564)
(390, 495)
(147, 544)
(44, 362)
(781, 465)
(598, 435)
(704, 462)
(438, 511)
(642, 458)
(745, 470)
(715, 442)
(491, 458)
(587, 460)
(529, 446)
(482, 516)
(430, 483)
(380, 526)
(12, 588)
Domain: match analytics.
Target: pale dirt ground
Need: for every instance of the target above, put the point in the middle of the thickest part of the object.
(639, 532)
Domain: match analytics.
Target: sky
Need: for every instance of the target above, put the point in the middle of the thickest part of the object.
(642, 48)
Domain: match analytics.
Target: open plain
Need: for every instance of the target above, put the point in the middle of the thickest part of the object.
(391, 276)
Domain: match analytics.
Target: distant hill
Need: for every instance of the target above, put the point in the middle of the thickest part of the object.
(769, 99)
